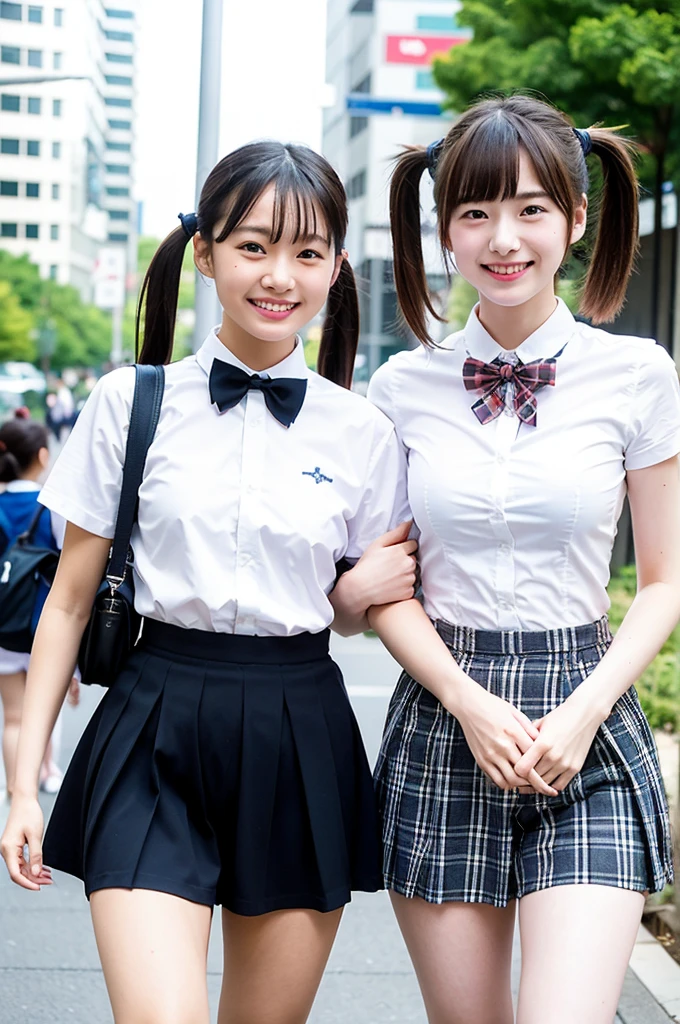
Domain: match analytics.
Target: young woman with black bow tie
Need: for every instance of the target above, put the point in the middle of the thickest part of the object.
(224, 765)
(524, 431)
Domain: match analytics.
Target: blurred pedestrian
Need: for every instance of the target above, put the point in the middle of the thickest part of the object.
(24, 458)
(524, 431)
(224, 765)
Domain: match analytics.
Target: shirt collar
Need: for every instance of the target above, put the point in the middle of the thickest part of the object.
(212, 348)
(544, 343)
(16, 486)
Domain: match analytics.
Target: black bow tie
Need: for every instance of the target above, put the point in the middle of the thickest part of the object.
(283, 395)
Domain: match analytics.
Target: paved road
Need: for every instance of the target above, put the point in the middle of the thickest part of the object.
(49, 970)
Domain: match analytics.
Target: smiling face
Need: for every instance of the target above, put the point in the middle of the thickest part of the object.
(268, 289)
(511, 249)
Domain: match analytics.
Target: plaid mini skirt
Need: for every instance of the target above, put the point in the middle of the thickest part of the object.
(450, 834)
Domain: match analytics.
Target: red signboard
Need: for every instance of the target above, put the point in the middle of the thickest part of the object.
(419, 49)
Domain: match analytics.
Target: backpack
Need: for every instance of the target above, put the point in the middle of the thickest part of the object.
(26, 574)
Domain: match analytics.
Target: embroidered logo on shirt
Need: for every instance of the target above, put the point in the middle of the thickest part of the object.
(317, 476)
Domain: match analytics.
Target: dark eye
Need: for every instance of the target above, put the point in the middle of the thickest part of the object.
(531, 211)
(253, 247)
(474, 214)
(308, 254)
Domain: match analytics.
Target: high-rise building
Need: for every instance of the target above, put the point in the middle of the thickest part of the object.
(378, 57)
(66, 134)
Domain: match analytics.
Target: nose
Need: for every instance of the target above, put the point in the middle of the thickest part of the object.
(504, 237)
(278, 276)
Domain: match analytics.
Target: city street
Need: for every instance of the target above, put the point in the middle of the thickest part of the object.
(49, 970)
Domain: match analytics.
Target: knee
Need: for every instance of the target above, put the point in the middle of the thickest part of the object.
(177, 1013)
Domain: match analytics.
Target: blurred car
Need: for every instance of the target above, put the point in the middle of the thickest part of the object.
(18, 378)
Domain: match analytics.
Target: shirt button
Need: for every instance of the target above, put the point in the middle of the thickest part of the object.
(500, 459)
(505, 549)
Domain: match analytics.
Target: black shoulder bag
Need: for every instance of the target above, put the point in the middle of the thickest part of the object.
(113, 629)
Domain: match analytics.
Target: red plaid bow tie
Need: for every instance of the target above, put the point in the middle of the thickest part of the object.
(493, 378)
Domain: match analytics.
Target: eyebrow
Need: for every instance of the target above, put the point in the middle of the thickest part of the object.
(531, 195)
(254, 229)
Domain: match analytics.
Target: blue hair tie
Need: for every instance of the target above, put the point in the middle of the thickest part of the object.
(584, 138)
(433, 153)
(189, 223)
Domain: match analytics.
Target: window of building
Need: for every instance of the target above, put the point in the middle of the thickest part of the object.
(119, 58)
(119, 37)
(357, 125)
(425, 80)
(12, 12)
(117, 169)
(53, 271)
(35, 14)
(33, 190)
(116, 13)
(34, 104)
(10, 55)
(362, 7)
(56, 108)
(356, 186)
(8, 230)
(54, 232)
(10, 147)
(117, 79)
(435, 22)
(56, 150)
(12, 103)
(123, 125)
(117, 238)
(364, 85)
(120, 147)
(33, 147)
(31, 231)
(119, 214)
(115, 191)
(35, 58)
(116, 101)
(56, 61)
(55, 191)
(9, 188)
(58, 17)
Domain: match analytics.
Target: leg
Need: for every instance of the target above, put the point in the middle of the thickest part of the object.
(273, 965)
(462, 954)
(12, 688)
(576, 943)
(153, 948)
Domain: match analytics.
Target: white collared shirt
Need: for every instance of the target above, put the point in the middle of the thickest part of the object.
(517, 523)
(241, 520)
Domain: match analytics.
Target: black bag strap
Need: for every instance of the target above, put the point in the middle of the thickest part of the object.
(146, 408)
(29, 533)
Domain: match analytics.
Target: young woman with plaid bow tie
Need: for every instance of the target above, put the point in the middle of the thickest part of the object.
(519, 770)
(224, 765)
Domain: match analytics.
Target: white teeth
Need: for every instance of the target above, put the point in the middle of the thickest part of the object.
(501, 269)
(274, 307)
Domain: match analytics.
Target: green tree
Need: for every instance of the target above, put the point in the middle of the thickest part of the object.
(16, 326)
(598, 61)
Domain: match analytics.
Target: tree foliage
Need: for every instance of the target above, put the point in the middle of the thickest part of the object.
(15, 327)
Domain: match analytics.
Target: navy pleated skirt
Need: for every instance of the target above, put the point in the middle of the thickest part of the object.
(226, 770)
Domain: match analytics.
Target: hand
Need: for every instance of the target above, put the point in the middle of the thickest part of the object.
(496, 732)
(25, 826)
(73, 695)
(386, 572)
(566, 735)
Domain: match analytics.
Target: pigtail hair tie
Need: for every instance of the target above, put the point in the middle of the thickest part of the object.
(3, 447)
(433, 153)
(189, 222)
(583, 136)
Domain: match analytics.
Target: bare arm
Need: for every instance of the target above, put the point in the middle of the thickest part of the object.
(568, 731)
(53, 658)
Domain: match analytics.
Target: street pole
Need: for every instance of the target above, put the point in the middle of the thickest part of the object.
(207, 307)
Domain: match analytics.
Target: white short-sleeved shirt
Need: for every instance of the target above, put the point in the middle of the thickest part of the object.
(517, 523)
(241, 520)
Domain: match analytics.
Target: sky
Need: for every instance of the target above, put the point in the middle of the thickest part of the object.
(272, 86)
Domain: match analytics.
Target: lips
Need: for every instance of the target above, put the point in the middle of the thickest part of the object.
(507, 271)
(273, 310)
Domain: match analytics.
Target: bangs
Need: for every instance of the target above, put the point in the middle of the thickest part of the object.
(486, 164)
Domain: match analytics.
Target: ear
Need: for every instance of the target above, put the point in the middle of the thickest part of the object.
(203, 255)
(342, 255)
(580, 219)
(44, 457)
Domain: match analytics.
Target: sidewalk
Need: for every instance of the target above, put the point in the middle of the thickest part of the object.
(49, 969)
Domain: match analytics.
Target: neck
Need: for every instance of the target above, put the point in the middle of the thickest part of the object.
(33, 473)
(254, 352)
(509, 326)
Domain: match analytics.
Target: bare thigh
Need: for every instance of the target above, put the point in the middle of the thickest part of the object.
(576, 944)
(153, 948)
(273, 964)
(12, 689)
(462, 955)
